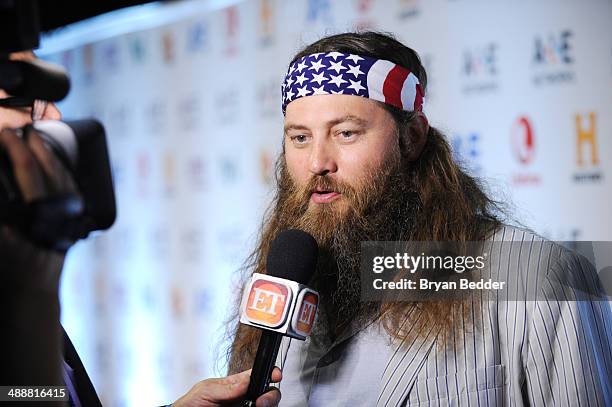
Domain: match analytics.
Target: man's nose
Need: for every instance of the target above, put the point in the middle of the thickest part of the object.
(322, 158)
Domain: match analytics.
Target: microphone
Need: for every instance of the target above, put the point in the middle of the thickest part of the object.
(279, 303)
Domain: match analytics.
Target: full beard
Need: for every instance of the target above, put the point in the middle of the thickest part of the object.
(382, 206)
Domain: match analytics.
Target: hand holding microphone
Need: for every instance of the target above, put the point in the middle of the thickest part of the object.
(225, 391)
(279, 303)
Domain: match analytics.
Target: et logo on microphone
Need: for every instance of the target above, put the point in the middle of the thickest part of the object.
(280, 305)
(267, 303)
(304, 318)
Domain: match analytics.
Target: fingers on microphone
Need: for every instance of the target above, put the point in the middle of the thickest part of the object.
(269, 399)
(220, 389)
(236, 384)
(277, 375)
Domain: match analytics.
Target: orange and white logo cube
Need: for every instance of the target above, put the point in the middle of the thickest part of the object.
(304, 317)
(267, 303)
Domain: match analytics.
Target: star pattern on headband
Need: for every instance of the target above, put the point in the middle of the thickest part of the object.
(304, 91)
(326, 73)
(356, 85)
(319, 91)
(301, 66)
(337, 66)
(354, 70)
(316, 65)
(319, 77)
(300, 79)
(337, 80)
(335, 55)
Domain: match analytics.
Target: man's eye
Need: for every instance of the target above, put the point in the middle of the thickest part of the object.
(347, 134)
(299, 139)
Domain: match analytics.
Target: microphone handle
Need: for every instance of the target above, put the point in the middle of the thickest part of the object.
(264, 363)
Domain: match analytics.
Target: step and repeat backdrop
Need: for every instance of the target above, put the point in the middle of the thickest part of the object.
(189, 93)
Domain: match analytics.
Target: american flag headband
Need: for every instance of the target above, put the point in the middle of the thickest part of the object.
(349, 74)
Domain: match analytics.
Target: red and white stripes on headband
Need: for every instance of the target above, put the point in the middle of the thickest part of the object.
(349, 74)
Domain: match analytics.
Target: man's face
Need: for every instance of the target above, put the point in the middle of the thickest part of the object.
(343, 138)
(342, 180)
(19, 117)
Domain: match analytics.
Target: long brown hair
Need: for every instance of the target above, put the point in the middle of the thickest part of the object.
(453, 206)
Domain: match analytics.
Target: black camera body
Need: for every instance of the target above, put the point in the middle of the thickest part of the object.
(59, 221)
(80, 145)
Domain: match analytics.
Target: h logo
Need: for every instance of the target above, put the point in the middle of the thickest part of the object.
(586, 136)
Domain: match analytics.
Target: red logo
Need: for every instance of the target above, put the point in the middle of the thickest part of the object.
(523, 144)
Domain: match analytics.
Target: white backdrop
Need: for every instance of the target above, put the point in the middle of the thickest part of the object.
(189, 93)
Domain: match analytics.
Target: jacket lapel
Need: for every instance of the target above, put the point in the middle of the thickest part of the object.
(83, 386)
(408, 358)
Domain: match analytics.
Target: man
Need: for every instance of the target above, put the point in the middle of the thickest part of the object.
(361, 163)
(32, 339)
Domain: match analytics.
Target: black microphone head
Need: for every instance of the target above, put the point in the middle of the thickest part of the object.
(293, 256)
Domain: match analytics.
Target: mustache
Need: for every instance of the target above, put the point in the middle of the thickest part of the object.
(326, 183)
(319, 183)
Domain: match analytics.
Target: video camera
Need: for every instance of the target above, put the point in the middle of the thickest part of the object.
(80, 145)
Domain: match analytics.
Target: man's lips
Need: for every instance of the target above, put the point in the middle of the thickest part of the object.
(322, 197)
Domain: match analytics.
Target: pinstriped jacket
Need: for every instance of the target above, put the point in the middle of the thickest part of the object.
(552, 348)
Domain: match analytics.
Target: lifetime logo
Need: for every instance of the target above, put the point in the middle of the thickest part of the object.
(267, 302)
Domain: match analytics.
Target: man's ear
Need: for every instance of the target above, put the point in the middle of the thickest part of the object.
(414, 141)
